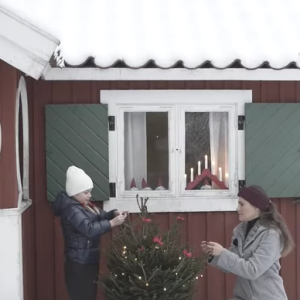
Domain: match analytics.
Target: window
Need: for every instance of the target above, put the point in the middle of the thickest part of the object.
(146, 150)
(182, 149)
(146, 164)
(204, 140)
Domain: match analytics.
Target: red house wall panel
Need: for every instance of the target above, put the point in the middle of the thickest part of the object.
(47, 267)
(9, 77)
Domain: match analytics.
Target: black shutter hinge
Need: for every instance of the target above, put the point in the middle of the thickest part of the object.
(111, 123)
(241, 122)
(112, 190)
(242, 183)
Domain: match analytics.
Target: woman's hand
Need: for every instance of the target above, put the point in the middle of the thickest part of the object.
(204, 247)
(214, 248)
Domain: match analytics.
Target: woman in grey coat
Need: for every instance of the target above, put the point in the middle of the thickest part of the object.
(258, 243)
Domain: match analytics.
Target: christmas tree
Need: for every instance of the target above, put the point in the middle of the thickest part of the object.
(145, 264)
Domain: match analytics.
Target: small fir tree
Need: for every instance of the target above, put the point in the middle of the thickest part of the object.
(146, 264)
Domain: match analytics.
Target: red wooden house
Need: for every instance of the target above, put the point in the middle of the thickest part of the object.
(152, 100)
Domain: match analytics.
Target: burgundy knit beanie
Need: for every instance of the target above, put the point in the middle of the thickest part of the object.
(256, 196)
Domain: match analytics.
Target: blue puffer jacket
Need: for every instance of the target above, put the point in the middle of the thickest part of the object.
(81, 229)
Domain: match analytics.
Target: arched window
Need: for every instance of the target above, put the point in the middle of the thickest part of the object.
(23, 183)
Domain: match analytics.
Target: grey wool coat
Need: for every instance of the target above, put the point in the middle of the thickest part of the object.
(255, 262)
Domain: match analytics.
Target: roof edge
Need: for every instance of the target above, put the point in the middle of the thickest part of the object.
(24, 46)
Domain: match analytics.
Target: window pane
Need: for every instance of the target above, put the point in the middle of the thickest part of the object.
(206, 150)
(146, 150)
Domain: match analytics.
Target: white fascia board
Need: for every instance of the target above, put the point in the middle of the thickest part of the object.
(23, 45)
(119, 74)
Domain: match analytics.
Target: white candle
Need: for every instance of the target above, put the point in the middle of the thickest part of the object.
(185, 180)
(213, 168)
(206, 162)
(220, 174)
(192, 174)
(199, 167)
(226, 179)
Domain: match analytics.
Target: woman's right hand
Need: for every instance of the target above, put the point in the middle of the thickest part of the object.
(204, 247)
(118, 220)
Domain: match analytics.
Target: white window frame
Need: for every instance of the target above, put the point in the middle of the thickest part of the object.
(176, 199)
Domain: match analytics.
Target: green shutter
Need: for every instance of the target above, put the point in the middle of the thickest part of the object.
(273, 148)
(77, 135)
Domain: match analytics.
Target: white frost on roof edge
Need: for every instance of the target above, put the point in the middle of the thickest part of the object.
(167, 31)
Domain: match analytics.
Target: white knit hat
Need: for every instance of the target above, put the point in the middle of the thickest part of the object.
(77, 181)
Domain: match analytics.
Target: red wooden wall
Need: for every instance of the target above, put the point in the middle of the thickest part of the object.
(42, 238)
(9, 78)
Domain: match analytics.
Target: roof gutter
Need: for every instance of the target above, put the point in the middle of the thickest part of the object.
(155, 74)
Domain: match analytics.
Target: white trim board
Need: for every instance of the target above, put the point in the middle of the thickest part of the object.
(174, 205)
(21, 96)
(119, 74)
(6, 212)
(157, 97)
(118, 100)
(23, 45)
(11, 253)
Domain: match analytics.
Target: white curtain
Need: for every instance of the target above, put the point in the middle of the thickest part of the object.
(218, 126)
(135, 138)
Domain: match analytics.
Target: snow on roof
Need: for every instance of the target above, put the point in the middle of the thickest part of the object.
(167, 32)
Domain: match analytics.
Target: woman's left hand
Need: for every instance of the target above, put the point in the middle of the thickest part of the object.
(215, 248)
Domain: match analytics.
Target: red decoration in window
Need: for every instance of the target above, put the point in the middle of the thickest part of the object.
(204, 175)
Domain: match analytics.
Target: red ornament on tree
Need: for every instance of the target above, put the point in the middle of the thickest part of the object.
(146, 220)
(187, 254)
(157, 239)
(180, 218)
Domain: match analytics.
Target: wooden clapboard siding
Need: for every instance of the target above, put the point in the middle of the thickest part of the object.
(48, 246)
(9, 78)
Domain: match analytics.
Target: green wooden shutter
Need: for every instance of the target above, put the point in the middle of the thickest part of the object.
(77, 135)
(273, 148)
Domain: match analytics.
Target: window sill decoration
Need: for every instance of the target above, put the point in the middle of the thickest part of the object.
(203, 178)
